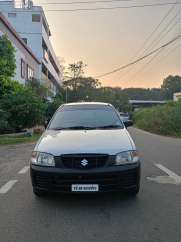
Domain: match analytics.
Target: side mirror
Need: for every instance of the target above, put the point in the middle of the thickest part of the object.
(46, 123)
(128, 123)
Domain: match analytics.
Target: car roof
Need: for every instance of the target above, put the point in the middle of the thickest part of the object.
(87, 103)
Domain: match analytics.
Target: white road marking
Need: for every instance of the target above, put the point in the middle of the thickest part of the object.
(169, 172)
(6, 187)
(172, 177)
(24, 170)
(163, 180)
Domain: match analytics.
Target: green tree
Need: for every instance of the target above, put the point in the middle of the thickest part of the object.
(170, 85)
(8, 86)
(7, 65)
(72, 75)
(52, 106)
(41, 90)
(85, 88)
(7, 58)
(75, 70)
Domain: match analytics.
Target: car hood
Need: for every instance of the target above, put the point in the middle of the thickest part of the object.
(85, 141)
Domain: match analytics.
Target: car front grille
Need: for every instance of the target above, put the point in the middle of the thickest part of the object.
(106, 182)
(81, 161)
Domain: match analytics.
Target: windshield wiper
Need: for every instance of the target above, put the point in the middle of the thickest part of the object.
(74, 128)
(58, 128)
(80, 127)
(109, 127)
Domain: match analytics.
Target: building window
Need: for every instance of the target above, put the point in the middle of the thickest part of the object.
(46, 27)
(36, 18)
(30, 73)
(25, 40)
(45, 55)
(12, 15)
(23, 69)
(54, 64)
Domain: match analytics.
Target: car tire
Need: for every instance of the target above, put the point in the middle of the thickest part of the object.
(39, 193)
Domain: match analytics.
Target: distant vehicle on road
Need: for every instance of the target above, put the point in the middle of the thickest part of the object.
(125, 117)
(85, 148)
(177, 96)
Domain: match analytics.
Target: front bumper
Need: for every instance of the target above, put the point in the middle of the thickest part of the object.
(109, 179)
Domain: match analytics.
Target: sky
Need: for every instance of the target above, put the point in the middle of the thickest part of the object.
(106, 40)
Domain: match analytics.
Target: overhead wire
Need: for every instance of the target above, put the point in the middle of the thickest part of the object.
(112, 8)
(157, 54)
(156, 41)
(141, 58)
(159, 37)
(146, 41)
(170, 51)
(85, 2)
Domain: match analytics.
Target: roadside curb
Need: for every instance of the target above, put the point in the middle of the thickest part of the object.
(156, 135)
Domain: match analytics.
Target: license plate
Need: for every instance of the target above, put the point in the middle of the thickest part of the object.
(85, 188)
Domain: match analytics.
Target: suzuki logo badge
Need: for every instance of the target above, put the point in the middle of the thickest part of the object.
(84, 162)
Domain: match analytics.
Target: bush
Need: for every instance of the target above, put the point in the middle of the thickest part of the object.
(8, 86)
(25, 109)
(3, 120)
(41, 90)
(164, 120)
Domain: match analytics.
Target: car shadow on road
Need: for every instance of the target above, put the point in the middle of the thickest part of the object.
(87, 200)
(86, 208)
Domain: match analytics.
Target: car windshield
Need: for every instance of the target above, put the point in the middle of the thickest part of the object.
(86, 117)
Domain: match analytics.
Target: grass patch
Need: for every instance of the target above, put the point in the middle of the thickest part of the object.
(10, 140)
(164, 120)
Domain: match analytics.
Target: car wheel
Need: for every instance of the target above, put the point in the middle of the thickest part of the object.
(39, 193)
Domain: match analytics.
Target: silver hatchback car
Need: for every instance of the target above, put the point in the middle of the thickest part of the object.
(85, 148)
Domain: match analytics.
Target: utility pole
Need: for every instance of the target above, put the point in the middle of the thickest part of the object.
(66, 92)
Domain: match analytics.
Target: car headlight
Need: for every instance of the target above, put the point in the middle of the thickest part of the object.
(127, 157)
(42, 159)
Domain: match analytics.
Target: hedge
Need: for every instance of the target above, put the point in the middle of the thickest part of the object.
(164, 120)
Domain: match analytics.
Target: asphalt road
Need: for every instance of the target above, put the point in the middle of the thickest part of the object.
(154, 215)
